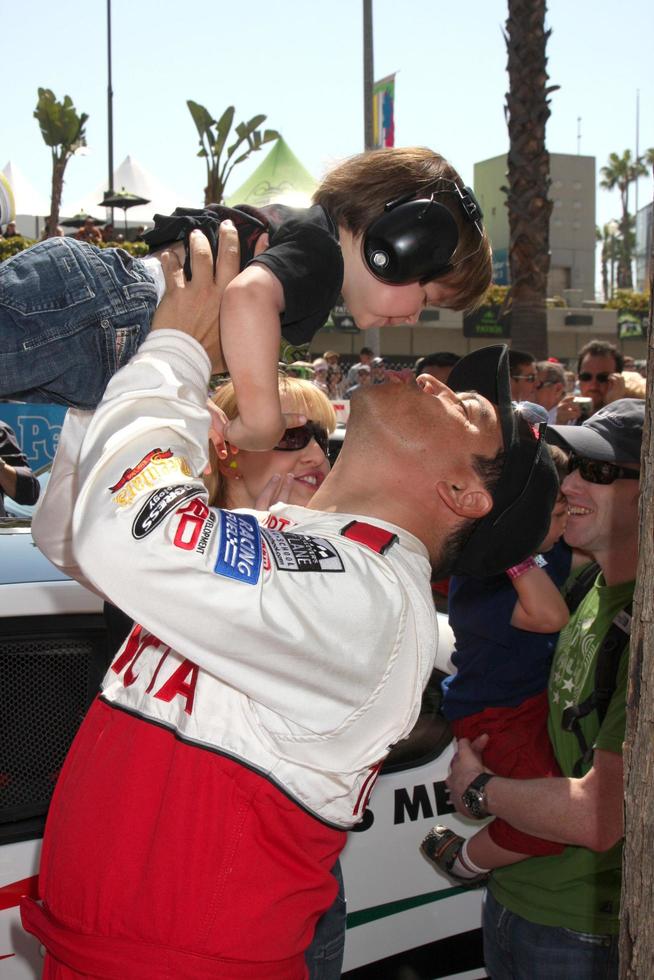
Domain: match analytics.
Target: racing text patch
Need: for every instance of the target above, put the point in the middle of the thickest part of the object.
(239, 550)
(299, 553)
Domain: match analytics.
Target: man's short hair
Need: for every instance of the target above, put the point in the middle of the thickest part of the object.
(552, 371)
(441, 358)
(367, 350)
(601, 348)
(519, 359)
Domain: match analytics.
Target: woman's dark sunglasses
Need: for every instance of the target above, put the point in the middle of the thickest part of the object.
(601, 376)
(301, 436)
(596, 471)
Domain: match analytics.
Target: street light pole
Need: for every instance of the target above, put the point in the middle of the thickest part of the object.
(368, 75)
(110, 113)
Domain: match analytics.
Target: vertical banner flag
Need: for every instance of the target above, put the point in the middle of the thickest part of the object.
(383, 111)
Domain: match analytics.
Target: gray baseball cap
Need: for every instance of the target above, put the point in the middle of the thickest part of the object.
(612, 435)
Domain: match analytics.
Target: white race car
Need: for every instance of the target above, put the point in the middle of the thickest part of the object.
(405, 920)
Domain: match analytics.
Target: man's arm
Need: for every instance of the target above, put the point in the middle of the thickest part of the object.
(587, 812)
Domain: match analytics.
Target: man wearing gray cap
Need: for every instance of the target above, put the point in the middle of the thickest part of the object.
(557, 917)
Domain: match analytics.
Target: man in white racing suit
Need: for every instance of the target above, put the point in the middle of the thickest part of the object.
(277, 657)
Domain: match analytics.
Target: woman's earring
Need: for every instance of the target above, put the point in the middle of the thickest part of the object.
(234, 466)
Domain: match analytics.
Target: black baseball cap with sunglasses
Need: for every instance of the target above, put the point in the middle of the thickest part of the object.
(605, 442)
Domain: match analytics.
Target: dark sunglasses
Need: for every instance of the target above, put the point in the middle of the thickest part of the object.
(601, 376)
(301, 436)
(545, 384)
(596, 471)
(523, 377)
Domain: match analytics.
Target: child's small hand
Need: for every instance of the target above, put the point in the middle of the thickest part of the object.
(217, 433)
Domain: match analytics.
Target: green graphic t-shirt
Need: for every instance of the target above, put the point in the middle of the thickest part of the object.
(578, 889)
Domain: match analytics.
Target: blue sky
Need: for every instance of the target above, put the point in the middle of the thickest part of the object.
(299, 62)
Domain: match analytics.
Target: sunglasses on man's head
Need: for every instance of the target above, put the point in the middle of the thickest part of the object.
(301, 436)
(597, 471)
(601, 376)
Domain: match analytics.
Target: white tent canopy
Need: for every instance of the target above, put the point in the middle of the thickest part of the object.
(27, 199)
(132, 177)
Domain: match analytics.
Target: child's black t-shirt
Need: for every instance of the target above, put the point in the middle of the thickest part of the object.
(304, 254)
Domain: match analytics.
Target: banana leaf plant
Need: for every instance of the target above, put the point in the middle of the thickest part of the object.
(221, 158)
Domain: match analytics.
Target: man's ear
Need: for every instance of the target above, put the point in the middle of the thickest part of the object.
(468, 502)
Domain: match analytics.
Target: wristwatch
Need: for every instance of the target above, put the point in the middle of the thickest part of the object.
(474, 797)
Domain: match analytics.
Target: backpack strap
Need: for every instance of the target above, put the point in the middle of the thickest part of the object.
(579, 586)
(606, 673)
(376, 538)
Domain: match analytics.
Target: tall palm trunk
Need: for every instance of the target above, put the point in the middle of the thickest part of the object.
(637, 911)
(625, 280)
(527, 112)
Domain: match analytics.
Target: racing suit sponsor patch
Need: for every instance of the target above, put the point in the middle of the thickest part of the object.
(276, 523)
(195, 526)
(158, 506)
(155, 466)
(239, 549)
(300, 553)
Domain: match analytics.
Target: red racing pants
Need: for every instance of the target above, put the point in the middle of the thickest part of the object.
(163, 860)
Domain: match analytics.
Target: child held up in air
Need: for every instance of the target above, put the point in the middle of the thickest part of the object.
(390, 231)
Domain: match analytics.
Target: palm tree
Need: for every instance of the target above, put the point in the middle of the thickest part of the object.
(611, 242)
(213, 139)
(63, 131)
(527, 111)
(621, 172)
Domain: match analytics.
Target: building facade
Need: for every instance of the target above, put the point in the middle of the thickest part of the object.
(572, 224)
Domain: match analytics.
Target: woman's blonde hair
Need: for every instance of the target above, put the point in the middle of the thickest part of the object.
(303, 398)
(354, 194)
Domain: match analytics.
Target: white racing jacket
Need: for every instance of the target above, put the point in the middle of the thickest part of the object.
(271, 638)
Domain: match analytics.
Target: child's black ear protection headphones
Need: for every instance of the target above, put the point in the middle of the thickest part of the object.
(415, 237)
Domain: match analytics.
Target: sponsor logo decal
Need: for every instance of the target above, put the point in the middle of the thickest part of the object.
(299, 553)
(157, 507)
(276, 523)
(195, 526)
(154, 467)
(239, 551)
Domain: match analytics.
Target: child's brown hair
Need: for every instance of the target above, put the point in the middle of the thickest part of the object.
(355, 192)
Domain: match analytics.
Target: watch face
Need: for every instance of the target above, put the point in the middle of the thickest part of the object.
(474, 797)
(472, 801)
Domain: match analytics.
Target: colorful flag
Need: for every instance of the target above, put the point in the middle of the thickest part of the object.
(383, 111)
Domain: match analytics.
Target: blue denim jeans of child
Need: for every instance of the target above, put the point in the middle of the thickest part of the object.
(71, 314)
(324, 957)
(515, 949)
